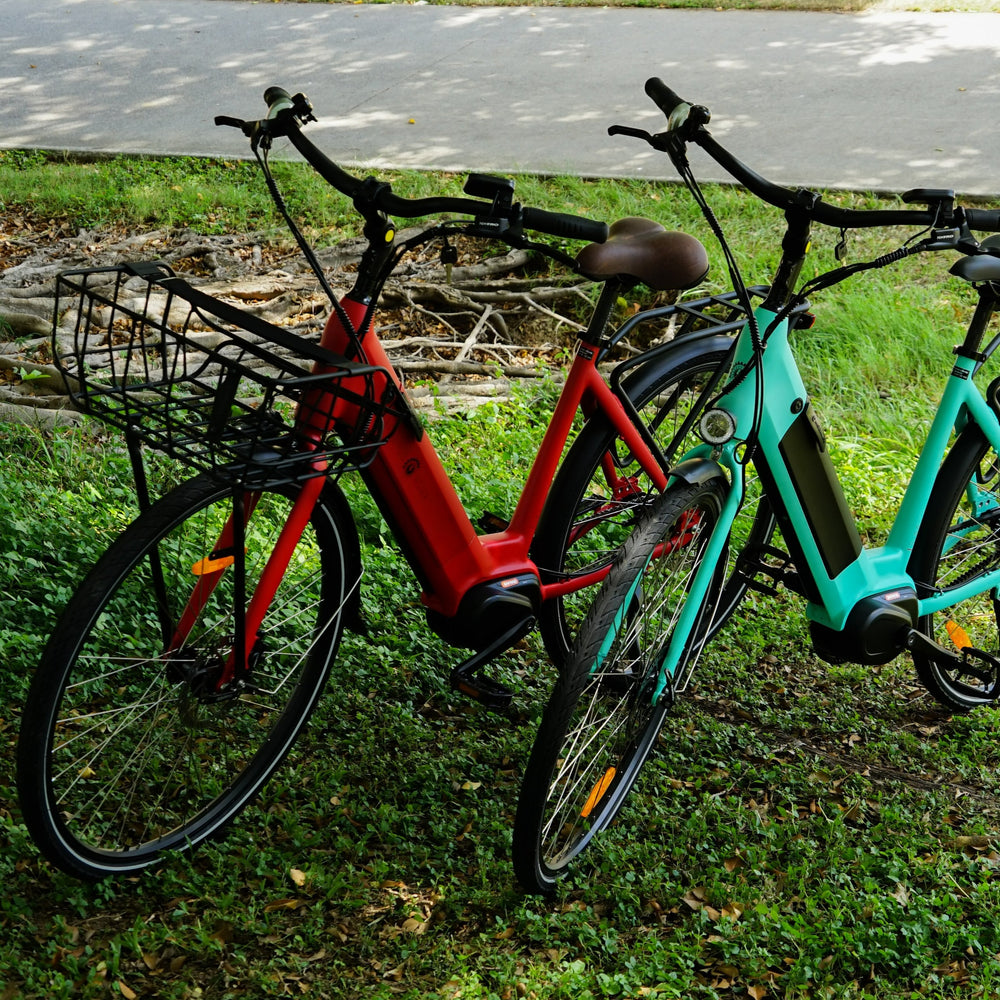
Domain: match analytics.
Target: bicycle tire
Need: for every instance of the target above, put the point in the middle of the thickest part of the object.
(127, 749)
(600, 723)
(958, 541)
(663, 393)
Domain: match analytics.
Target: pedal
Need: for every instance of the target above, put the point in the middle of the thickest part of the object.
(485, 690)
(774, 564)
(466, 677)
(988, 674)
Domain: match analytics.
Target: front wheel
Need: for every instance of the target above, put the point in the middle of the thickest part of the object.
(602, 721)
(600, 492)
(131, 745)
(959, 542)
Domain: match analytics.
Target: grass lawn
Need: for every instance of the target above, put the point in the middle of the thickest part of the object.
(803, 831)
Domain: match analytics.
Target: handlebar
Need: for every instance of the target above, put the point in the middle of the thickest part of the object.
(983, 220)
(686, 123)
(287, 114)
(680, 114)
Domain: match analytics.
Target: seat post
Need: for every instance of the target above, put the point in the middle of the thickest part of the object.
(601, 315)
(989, 295)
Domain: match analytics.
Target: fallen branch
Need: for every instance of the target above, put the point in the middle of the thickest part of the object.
(490, 319)
(470, 368)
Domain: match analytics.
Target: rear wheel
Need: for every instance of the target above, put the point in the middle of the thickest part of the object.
(959, 542)
(131, 744)
(601, 722)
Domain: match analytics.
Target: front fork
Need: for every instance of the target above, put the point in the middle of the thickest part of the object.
(681, 636)
(228, 555)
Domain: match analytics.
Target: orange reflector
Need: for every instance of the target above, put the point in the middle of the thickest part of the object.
(205, 566)
(958, 635)
(597, 792)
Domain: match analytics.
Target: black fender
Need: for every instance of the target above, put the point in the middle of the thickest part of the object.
(332, 496)
(696, 471)
(643, 374)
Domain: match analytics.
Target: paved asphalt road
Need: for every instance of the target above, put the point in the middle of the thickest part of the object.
(879, 101)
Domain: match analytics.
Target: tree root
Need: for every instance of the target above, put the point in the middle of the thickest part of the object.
(483, 322)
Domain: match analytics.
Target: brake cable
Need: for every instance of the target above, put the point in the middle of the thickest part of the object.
(676, 150)
(838, 274)
(354, 335)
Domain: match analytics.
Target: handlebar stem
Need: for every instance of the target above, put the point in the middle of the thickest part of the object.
(794, 247)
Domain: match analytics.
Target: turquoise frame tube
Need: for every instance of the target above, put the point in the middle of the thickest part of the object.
(875, 570)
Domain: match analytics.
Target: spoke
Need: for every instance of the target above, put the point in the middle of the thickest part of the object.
(591, 729)
(104, 785)
(130, 663)
(960, 562)
(134, 764)
(125, 715)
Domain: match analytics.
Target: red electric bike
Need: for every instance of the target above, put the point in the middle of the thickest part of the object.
(192, 654)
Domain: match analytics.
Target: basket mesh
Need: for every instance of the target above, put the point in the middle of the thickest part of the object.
(217, 394)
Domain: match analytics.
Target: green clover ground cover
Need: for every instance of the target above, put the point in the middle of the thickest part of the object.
(802, 831)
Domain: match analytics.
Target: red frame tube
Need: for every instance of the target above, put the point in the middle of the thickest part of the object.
(412, 487)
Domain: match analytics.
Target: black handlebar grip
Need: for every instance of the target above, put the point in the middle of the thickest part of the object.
(662, 96)
(276, 99)
(573, 227)
(985, 220)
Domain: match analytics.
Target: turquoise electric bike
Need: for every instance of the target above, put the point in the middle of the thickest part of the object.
(932, 589)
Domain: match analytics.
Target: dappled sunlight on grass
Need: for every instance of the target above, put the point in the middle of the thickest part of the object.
(803, 830)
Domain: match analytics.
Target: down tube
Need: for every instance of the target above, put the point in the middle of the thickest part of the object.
(703, 577)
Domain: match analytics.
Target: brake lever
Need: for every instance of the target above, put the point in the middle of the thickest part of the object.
(259, 132)
(945, 238)
(265, 129)
(247, 128)
(956, 237)
(635, 133)
(661, 141)
(490, 227)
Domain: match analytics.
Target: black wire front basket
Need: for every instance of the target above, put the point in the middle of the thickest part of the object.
(212, 385)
